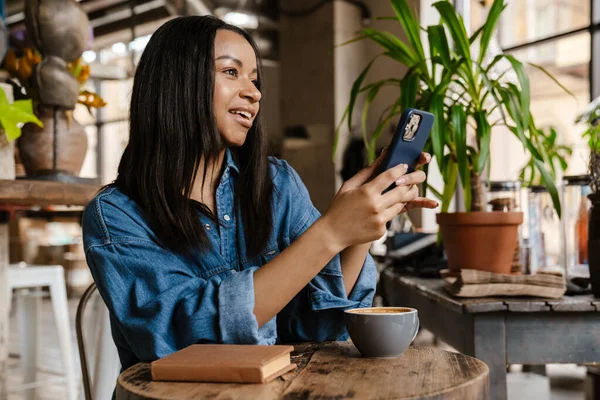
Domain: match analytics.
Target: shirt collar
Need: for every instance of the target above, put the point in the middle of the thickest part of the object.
(230, 162)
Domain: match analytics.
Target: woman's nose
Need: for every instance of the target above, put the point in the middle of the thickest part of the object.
(251, 92)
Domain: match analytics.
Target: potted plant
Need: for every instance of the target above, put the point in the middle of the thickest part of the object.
(592, 119)
(12, 116)
(468, 92)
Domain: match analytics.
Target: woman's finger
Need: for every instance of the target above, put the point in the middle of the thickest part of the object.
(387, 178)
(422, 202)
(424, 159)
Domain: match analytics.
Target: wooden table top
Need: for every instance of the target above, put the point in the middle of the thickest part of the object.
(334, 370)
(434, 290)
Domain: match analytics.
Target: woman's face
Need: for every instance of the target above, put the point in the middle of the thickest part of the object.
(236, 98)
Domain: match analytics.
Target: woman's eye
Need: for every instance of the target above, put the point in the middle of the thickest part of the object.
(255, 83)
(232, 72)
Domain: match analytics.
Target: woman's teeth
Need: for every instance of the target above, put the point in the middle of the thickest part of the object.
(244, 114)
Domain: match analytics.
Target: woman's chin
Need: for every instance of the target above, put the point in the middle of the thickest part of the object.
(236, 140)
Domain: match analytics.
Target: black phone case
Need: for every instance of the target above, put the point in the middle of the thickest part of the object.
(403, 151)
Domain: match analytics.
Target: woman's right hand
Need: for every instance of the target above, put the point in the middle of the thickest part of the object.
(359, 212)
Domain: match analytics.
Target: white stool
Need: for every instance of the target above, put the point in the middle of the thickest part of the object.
(20, 277)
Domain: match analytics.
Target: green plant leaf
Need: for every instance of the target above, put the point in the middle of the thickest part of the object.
(438, 42)
(437, 136)
(389, 81)
(355, 90)
(410, 24)
(456, 27)
(382, 123)
(347, 42)
(490, 26)
(459, 127)
(435, 192)
(552, 137)
(365, 113)
(450, 177)
(524, 90)
(549, 75)
(474, 35)
(336, 135)
(395, 48)
(491, 88)
(549, 183)
(409, 88)
(11, 115)
(484, 136)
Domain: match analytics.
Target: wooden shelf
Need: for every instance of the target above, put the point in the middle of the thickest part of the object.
(44, 193)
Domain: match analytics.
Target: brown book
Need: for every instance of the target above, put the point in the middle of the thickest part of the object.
(224, 363)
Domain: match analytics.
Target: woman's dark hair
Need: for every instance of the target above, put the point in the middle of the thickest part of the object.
(172, 129)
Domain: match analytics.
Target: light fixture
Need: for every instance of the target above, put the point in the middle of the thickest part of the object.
(243, 16)
(89, 56)
(119, 48)
(365, 13)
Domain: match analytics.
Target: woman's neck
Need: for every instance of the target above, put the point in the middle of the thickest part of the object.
(205, 194)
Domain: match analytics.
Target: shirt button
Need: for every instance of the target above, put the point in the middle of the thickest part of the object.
(233, 271)
(226, 217)
(207, 226)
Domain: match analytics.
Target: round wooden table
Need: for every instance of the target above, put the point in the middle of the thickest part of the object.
(334, 370)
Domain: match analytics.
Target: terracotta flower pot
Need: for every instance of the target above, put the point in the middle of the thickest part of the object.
(484, 241)
(37, 149)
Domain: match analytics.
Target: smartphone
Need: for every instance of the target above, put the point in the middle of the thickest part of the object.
(408, 141)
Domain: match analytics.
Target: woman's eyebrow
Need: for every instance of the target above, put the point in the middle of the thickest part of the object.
(235, 60)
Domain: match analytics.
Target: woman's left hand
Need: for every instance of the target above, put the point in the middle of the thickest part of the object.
(420, 202)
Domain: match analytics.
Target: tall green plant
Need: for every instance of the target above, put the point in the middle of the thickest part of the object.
(460, 90)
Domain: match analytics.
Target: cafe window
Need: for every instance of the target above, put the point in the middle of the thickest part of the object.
(109, 125)
(557, 35)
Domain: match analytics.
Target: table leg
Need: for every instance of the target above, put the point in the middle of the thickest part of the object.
(489, 346)
(592, 383)
(4, 298)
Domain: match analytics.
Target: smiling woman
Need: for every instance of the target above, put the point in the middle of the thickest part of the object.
(203, 238)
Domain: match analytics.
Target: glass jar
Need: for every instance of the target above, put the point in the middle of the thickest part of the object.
(576, 207)
(505, 196)
(544, 226)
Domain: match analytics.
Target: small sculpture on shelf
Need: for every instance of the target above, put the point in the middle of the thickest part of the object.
(52, 75)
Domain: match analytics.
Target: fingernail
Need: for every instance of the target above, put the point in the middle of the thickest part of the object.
(401, 181)
(405, 166)
(428, 157)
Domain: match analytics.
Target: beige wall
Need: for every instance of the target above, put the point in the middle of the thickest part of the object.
(307, 96)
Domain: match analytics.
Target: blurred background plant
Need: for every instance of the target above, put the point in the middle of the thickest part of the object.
(591, 116)
(554, 156)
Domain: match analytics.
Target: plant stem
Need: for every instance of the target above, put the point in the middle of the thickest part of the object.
(477, 197)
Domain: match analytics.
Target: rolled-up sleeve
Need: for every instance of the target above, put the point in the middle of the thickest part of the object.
(160, 305)
(316, 313)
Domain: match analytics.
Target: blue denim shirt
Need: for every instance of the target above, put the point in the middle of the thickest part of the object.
(160, 302)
